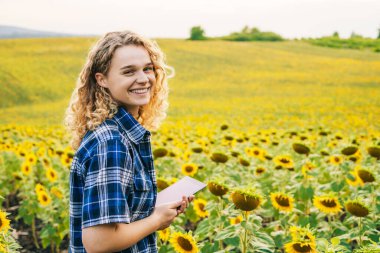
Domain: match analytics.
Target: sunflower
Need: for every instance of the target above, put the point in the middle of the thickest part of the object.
(173, 180)
(356, 158)
(66, 160)
(354, 179)
(246, 200)
(308, 166)
(197, 149)
(4, 222)
(199, 207)
(301, 234)
(357, 208)
(301, 149)
(327, 204)
(31, 158)
(164, 234)
(365, 175)
(26, 168)
(247, 150)
(186, 155)
(162, 183)
(258, 153)
(160, 152)
(335, 159)
(3, 248)
(189, 169)
(217, 188)
(183, 243)
(244, 162)
(224, 127)
(259, 171)
(51, 174)
(39, 188)
(282, 201)
(56, 192)
(284, 161)
(302, 241)
(219, 157)
(44, 198)
(374, 152)
(332, 144)
(236, 220)
(46, 162)
(351, 150)
(298, 247)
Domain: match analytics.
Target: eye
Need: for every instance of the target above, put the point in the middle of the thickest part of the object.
(148, 69)
(129, 72)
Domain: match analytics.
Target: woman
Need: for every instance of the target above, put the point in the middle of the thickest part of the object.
(121, 92)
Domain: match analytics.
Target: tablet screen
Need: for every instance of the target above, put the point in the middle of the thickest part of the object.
(185, 187)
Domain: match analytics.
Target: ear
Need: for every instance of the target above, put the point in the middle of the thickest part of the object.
(101, 80)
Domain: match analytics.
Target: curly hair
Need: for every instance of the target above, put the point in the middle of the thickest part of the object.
(91, 103)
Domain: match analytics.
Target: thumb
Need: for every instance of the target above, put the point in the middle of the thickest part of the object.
(175, 204)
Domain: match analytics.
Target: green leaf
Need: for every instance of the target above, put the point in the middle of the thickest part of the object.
(209, 247)
(337, 187)
(234, 241)
(228, 232)
(306, 193)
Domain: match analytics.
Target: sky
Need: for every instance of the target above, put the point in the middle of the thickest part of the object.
(174, 18)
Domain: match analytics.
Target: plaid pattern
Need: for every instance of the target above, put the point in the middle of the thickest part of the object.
(112, 179)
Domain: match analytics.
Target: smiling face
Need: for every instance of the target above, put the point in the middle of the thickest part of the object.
(130, 78)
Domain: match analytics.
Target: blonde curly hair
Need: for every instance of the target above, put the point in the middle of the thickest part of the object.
(91, 103)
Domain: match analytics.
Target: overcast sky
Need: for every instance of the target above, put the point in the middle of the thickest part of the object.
(174, 18)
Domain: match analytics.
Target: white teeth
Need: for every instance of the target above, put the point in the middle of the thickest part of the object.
(140, 91)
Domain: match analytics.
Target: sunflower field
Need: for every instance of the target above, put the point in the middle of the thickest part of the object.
(285, 135)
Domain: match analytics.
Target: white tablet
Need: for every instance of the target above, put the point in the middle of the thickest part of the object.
(185, 187)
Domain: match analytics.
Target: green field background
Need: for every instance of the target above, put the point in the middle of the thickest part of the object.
(246, 84)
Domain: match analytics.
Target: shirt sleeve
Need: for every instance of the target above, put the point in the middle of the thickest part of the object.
(105, 193)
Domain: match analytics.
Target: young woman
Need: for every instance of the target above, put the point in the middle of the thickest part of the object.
(121, 92)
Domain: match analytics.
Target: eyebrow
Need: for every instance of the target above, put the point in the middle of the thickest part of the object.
(132, 66)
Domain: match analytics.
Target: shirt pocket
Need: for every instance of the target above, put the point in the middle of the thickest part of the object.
(142, 196)
(142, 182)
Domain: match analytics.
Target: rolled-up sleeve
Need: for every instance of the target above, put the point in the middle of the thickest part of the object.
(108, 174)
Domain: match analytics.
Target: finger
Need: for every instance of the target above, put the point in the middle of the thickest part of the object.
(186, 201)
(183, 206)
(175, 204)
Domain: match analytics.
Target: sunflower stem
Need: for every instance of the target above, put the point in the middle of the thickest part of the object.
(373, 201)
(245, 232)
(360, 231)
(329, 224)
(34, 233)
(220, 207)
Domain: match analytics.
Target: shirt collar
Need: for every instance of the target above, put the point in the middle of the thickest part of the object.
(135, 131)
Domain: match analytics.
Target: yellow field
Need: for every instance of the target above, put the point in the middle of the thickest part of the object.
(256, 84)
(289, 130)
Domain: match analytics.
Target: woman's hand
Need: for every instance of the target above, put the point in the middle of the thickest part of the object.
(164, 212)
(185, 204)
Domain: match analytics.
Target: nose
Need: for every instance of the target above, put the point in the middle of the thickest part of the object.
(142, 78)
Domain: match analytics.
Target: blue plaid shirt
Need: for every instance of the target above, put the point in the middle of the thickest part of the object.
(112, 180)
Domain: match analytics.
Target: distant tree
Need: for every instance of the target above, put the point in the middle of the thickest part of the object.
(336, 34)
(355, 35)
(378, 36)
(246, 29)
(255, 30)
(197, 33)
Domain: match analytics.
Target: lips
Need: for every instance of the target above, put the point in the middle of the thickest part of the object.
(139, 90)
